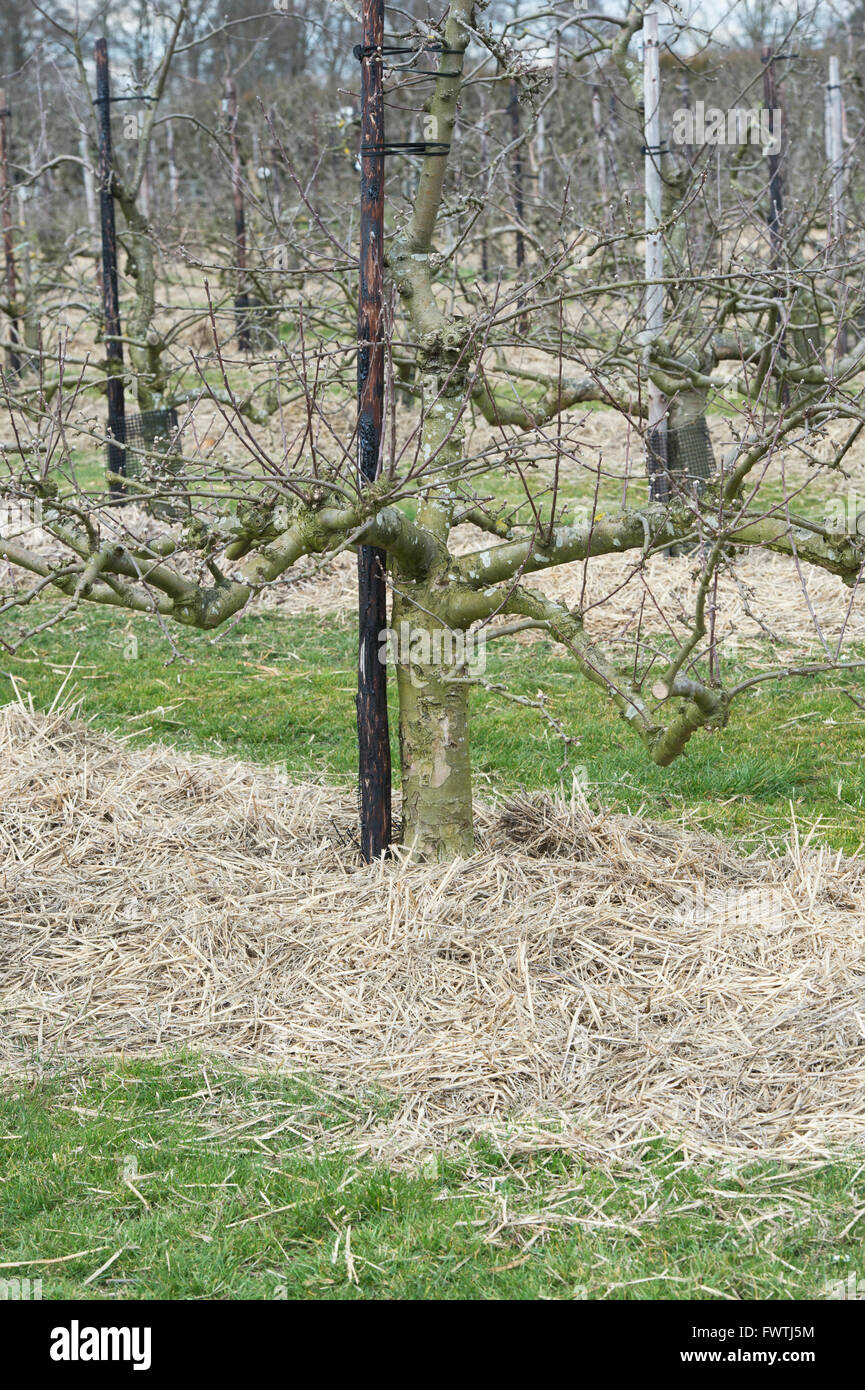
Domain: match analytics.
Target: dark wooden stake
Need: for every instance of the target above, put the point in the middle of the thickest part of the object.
(485, 254)
(110, 295)
(776, 192)
(372, 725)
(835, 153)
(13, 357)
(241, 300)
(517, 172)
(776, 195)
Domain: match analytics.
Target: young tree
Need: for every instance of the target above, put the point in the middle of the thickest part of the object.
(744, 322)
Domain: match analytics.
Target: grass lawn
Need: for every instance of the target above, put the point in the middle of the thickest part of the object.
(281, 691)
(180, 1178)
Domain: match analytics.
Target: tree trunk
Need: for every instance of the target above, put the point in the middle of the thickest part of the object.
(433, 736)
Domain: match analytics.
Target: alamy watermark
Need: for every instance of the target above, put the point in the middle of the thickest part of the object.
(736, 126)
(20, 1290)
(414, 647)
(761, 908)
(850, 1289)
(19, 517)
(77, 1343)
(846, 512)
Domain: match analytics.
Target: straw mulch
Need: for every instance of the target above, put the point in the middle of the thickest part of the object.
(585, 973)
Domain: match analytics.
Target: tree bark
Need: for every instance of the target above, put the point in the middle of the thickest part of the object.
(434, 738)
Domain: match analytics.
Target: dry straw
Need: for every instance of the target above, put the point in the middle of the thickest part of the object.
(587, 975)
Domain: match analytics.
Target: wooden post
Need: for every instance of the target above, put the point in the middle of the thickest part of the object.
(603, 187)
(241, 298)
(275, 166)
(685, 91)
(517, 178)
(612, 133)
(13, 357)
(776, 192)
(517, 171)
(484, 152)
(173, 182)
(540, 155)
(373, 736)
(147, 192)
(659, 480)
(110, 294)
(87, 176)
(315, 189)
(835, 151)
(30, 325)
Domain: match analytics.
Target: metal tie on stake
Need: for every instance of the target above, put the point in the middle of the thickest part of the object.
(377, 53)
(380, 51)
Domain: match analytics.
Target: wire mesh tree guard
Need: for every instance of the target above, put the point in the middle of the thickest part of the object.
(680, 457)
(148, 446)
(143, 437)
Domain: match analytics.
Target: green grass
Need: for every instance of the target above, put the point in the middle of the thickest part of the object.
(188, 1180)
(281, 691)
(247, 1187)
